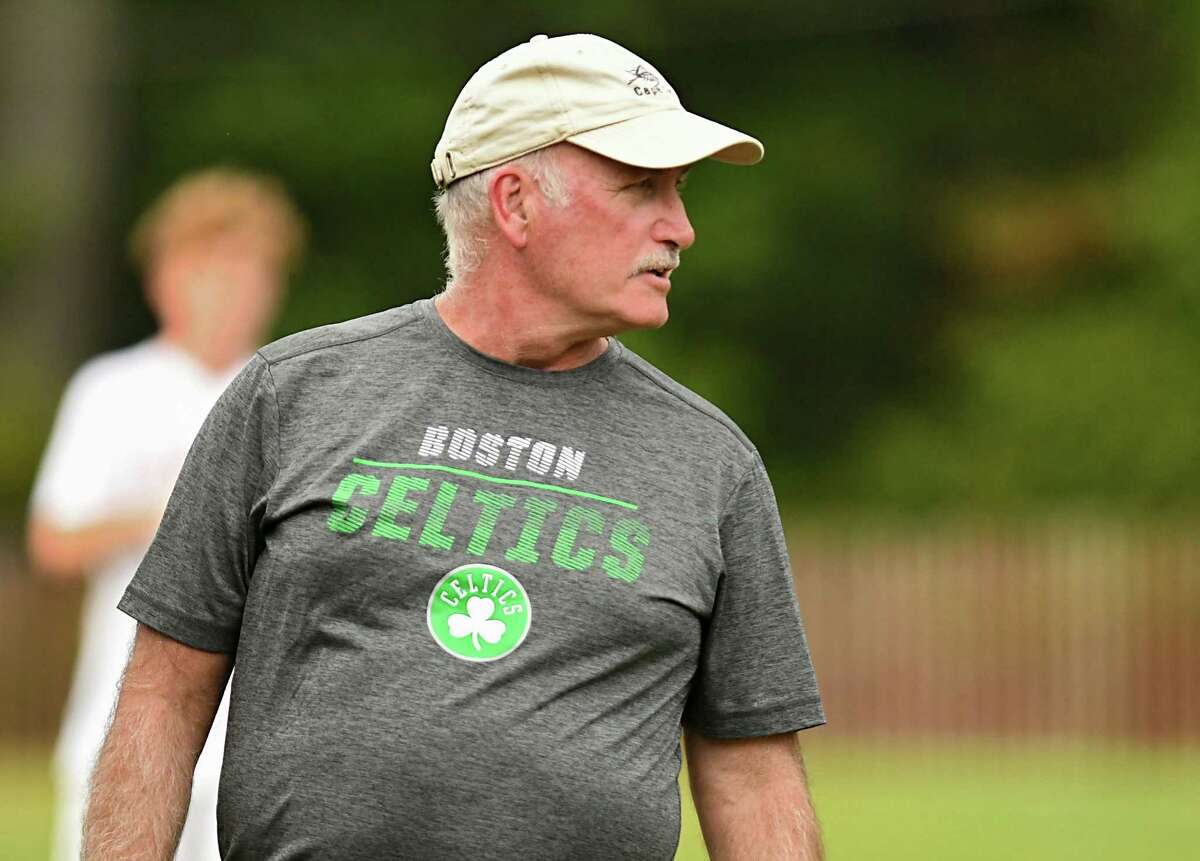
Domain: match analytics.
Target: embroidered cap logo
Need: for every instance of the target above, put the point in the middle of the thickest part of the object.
(650, 84)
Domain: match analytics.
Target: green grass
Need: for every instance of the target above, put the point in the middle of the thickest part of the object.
(878, 800)
(989, 802)
(25, 804)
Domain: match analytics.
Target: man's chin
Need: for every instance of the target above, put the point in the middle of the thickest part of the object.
(650, 316)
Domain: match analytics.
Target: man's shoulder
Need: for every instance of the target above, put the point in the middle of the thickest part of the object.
(660, 386)
(334, 335)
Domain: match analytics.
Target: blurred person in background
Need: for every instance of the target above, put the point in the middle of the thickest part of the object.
(214, 251)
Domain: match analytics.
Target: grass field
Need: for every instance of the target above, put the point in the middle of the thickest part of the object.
(975, 801)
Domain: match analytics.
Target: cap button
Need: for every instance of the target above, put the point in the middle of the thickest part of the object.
(540, 37)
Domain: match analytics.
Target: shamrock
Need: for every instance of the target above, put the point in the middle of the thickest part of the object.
(477, 621)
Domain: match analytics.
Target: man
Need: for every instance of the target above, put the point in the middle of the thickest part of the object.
(213, 251)
(479, 562)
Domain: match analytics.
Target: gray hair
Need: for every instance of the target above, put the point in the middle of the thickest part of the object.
(465, 213)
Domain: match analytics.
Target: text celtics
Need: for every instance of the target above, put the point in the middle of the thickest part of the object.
(533, 526)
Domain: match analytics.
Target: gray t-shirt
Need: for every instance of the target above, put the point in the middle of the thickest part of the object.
(472, 602)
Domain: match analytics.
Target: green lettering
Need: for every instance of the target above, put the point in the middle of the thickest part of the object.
(397, 501)
(624, 536)
(564, 553)
(535, 517)
(493, 504)
(350, 518)
(431, 534)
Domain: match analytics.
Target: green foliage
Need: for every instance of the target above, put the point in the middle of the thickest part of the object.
(831, 304)
(1072, 404)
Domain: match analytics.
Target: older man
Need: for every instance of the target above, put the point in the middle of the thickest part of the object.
(479, 562)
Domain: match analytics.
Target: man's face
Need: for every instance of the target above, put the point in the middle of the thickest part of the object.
(221, 292)
(594, 254)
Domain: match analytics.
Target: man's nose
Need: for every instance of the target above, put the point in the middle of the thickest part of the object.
(674, 226)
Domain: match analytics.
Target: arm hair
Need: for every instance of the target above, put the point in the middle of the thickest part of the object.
(752, 798)
(142, 783)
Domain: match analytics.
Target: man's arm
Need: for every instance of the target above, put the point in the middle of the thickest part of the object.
(62, 554)
(143, 780)
(751, 795)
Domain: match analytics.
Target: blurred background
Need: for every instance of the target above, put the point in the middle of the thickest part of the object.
(957, 307)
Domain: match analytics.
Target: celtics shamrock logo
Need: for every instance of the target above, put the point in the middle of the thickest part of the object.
(477, 623)
(478, 613)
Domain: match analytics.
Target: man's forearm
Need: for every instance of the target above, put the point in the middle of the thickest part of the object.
(142, 783)
(753, 800)
(765, 825)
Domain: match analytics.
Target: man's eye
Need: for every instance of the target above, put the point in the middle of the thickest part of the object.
(681, 185)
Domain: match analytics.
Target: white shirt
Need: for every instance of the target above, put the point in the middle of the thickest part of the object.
(125, 424)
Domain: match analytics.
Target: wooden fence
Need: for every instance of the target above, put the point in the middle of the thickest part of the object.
(1064, 627)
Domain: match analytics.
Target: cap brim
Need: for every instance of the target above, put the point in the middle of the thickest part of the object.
(671, 138)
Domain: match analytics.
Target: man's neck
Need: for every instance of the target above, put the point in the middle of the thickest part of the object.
(529, 331)
(212, 360)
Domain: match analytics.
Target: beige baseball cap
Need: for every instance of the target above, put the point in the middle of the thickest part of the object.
(584, 89)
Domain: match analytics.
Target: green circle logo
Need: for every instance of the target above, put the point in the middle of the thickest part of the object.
(478, 613)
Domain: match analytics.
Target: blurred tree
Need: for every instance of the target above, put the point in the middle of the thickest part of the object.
(58, 126)
(903, 304)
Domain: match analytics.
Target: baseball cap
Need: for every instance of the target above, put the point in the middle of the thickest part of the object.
(584, 89)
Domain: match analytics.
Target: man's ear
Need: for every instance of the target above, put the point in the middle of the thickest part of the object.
(509, 193)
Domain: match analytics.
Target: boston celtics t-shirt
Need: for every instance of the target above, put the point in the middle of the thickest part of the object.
(472, 603)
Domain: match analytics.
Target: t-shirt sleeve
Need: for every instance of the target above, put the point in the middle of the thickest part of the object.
(78, 481)
(192, 582)
(755, 674)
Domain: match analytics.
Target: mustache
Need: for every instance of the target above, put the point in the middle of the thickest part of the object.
(665, 259)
